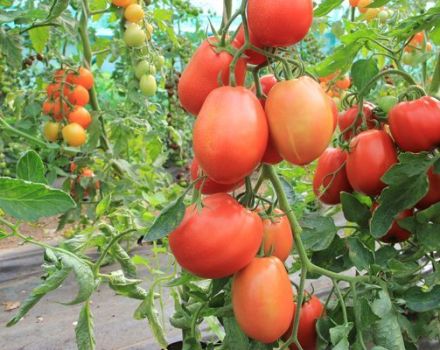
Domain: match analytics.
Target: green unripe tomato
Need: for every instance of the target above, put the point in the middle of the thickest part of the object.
(408, 58)
(2, 156)
(387, 102)
(2, 165)
(134, 36)
(148, 85)
(6, 172)
(144, 67)
(159, 61)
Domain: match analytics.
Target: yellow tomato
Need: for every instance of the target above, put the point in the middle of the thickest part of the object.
(51, 131)
(134, 13)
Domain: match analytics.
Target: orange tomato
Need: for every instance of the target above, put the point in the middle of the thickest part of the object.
(121, 3)
(78, 95)
(60, 109)
(81, 116)
(134, 13)
(362, 5)
(74, 134)
(277, 239)
(51, 131)
(83, 77)
(344, 83)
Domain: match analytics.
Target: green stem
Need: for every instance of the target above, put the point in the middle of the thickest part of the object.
(435, 84)
(31, 138)
(227, 12)
(341, 301)
(357, 316)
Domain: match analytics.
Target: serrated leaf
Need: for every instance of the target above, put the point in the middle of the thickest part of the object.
(85, 337)
(339, 336)
(39, 37)
(382, 304)
(362, 71)
(420, 301)
(318, 232)
(31, 201)
(124, 260)
(354, 210)
(387, 333)
(326, 6)
(30, 167)
(358, 253)
(103, 205)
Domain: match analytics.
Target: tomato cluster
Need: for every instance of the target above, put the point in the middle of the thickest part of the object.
(415, 48)
(371, 13)
(67, 97)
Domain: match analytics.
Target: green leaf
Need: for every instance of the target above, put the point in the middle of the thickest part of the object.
(10, 46)
(30, 167)
(167, 221)
(39, 37)
(235, 338)
(339, 336)
(410, 165)
(318, 233)
(57, 8)
(367, 315)
(378, 3)
(382, 304)
(362, 72)
(420, 301)
(124, 260)
(358, 253)
(85, 337)
(49, 284)
(103, 205)
(30, 201)
(288, 190)
(386, 333)
(354, 210)
(326, 6)
(126, 286)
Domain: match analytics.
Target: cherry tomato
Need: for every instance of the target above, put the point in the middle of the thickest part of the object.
(134, 36)
(53, 90)
(433, 195)
(58, 75)
(415, 125)
(201, 75)
(277, 239)
(300, 119)
(415, 42)
(159, 62)
(78, 95)
(60, 109)
(279, 23)
(209, 186)
(330, 176)
(362, 5)
(409, 58)
(51, 131)
(262, 299)
(47, 107)
(134, 13)
(148, 85)
(354, 3)
(371, 155)
(74, 134)
(121, 3)
(81, 116)
(144, 67)
(396, 234)
(83, 77)
(343, 83)
(311, 311)
(371, 13)
(234, 237)
(346, 119)
(230, 134)
(253, 56)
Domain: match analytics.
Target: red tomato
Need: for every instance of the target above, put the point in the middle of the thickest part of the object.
(267, 83)
(47, 107)
(415, 125)
(218, 240)
(277, 239)
(310, 312)
(433, 195)
(83, 77)
(81, 116)
(210, 186)
(78, 95)
(396, 234)
(201, 75)
(354, 3)
(279, 23)
(262, 299)
(253, 56)
(346, 119)
(60, 109)
(58, 75)
(343, 83)
(230, 134)
(300, 119)
(372, 153)
(330, 176)
(53, 90)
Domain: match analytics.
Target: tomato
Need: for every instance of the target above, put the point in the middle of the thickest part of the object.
(346, 119)
(277, 239)
(386, 103)
(262, 299)
(362, 5)
(330, 176)
(253, 56)
(230, 134)
(60, 109)
(148, 85)
(433, 195)
(53, 90)
(279, 23)
(159, 62)
(396, 234)
(267, 82)
(415, 125)
(300, 119)
(73, 167)
(334, 111)
(81, 116)
(371, 154)
(428, 47)
(134, 36)
(354, 3)
(371, 13)
(78, 95)
(58, 75)
(47, 107)
(234, 237)
(83, 77)
(121, 3)
(409, 58)
(201, 75)
(144, 67)
(134, 13)
(311, 311)
(343, 83)
(209, 186)
(74, 134)
(51, 131)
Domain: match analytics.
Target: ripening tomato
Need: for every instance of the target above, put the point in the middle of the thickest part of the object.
(81, 116)
(262, 299)
(253, 56)
(372, 154)
(74, 134)
(144, 67)
(82, 77)
(433, 195)
(60, 109)
(209, 186)
(201, 75)
(134, 13)
(230, 134)
(47, 107)
(311, 311)
(51, 131)
(346, 119)
(121, 3)
(330, 176)
(300, 119)
(344, 83)
(78, 95)
(371, 13)
(134, 36)
(362, 5)
(218, 240)
(277, 238)
(396, 234)
(415, 125)
(279, 23)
